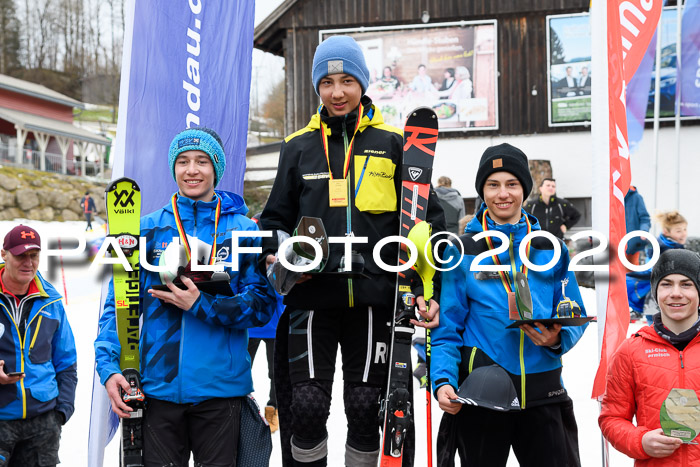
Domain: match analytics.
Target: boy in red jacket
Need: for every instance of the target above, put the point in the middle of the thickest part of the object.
(653, 361)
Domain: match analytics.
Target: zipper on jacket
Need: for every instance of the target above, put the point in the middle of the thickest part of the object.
(681, 356)
(22, 342)
(348, 209)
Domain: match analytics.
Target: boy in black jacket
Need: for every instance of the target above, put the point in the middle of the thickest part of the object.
(343, 167)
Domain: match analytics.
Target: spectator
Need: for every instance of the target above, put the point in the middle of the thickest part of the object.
(266, 335)
(88, 205)
(652, 362)
(556, 215)
(452, 204)
(636, 218)
(38, 365)
(674, 230)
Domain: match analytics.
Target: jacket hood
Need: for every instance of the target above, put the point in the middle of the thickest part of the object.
(448, 193)
(231, 203)
(474, 225)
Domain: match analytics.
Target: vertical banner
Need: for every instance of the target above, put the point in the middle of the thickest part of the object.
(185, 63)
(690, 59)
(638, 97)
(630, 26)
(191, 67)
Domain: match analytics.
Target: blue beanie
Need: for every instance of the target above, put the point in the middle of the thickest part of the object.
(339, 54)
(199, 139)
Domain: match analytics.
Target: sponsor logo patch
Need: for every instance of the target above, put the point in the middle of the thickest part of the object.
(497, 163)
(335, 66)
(414, 173)
(187, 142)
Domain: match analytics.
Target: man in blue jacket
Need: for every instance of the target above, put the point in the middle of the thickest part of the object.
(472, 333)
(195, 366)
(37, 357)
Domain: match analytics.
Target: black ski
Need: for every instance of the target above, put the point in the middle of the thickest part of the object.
(420, 139)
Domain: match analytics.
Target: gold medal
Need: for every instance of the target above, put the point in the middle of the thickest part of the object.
(338, 193)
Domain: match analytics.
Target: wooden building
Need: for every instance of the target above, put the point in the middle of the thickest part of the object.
(525, 80)
(292, 31)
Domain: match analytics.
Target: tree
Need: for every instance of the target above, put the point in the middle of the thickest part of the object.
(273, 108)
(556, 48)
(9, 37)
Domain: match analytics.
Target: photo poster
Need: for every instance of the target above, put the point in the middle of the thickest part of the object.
(569, 69)
(449, 67)
(569, 49)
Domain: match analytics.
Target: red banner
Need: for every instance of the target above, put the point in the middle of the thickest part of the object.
(637, 20)
(630, 27)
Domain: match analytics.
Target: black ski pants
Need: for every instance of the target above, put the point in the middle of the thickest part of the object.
(543, 436)
(209, 430)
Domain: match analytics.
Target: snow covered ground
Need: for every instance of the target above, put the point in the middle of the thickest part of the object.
(83, 294)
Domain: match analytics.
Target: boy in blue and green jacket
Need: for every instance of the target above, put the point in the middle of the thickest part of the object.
(472, 331)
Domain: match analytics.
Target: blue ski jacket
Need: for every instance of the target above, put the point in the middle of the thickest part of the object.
(188, 356)
(45, 353)
(474, 315)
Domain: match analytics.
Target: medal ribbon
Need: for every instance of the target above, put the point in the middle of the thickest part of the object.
(183, 234)
(496, 261)
(348, 152)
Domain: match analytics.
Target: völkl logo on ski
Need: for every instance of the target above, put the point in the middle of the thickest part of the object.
(129, 201)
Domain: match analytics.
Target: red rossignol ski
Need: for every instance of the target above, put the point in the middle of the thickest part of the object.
(420, 138)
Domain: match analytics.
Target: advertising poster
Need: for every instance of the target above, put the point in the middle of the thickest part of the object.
(569, 52)
(450, 67)
(570, 74)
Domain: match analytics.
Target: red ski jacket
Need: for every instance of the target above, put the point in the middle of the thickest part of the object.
(643, 371)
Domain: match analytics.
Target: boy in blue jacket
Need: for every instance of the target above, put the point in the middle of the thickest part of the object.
(195, 366)
(472, 331)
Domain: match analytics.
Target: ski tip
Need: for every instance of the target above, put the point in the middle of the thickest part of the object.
(423, 112)
(114, 183)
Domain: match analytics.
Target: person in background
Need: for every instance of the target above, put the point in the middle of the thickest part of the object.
(266, 335)
(38, 360)
(88, 205)
(674, 230)
(674, 233)
(556, 215)
(452, 204)
(636, 218)
(652, 362)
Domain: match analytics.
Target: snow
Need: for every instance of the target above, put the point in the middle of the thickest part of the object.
(83, 295)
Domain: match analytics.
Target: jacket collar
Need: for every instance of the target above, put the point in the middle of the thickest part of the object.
(519, 229)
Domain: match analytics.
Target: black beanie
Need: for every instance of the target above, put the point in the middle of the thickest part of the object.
(504, 158)
(677, 261)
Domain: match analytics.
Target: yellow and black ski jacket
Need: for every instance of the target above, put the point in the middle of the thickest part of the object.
(301, 189)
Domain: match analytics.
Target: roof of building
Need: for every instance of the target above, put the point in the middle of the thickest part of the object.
(53, 127)
(37, 90)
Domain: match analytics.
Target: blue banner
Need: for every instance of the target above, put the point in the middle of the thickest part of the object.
(637, 97)
(190, 66)
(185, 63)
(690, 59)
